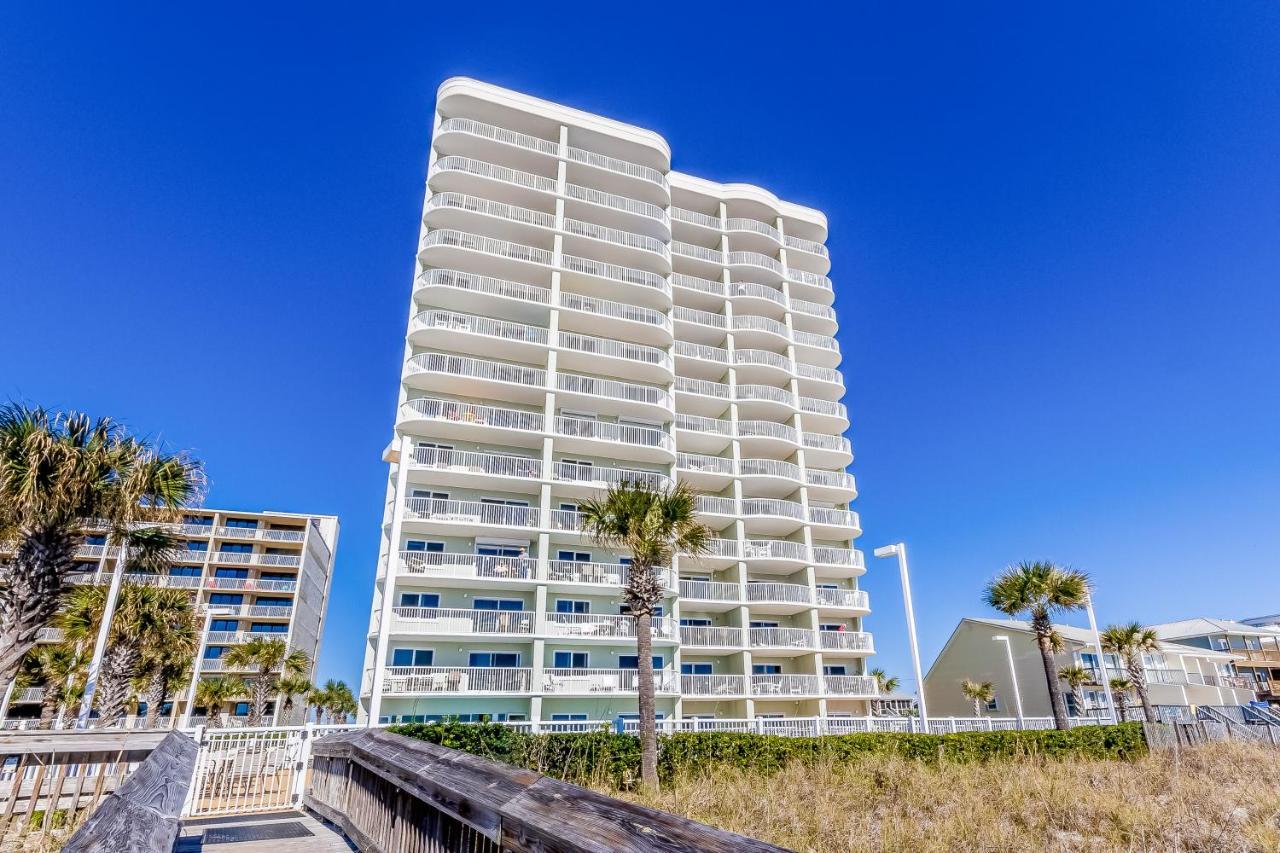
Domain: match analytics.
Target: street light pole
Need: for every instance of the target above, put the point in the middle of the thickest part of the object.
(104, 631)
(1102, 661)
(209, 613)
(1013, 674)
(900, 551)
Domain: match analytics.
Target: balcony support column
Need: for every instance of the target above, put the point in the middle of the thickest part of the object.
(389, 584)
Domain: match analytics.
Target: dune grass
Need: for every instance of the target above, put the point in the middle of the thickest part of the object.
(1222, 797)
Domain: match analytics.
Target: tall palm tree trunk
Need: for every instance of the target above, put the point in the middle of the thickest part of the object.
(32, 592)
(648, 725)
(1138, 675)
(49, 706)
(155, 696)
(113, 691)
(977, 708)
(259, 695)
(1043, 628)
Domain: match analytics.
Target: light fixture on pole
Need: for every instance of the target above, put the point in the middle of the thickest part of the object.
(1102, 660)
(209, 613)
(1013, 674)
(900, 551)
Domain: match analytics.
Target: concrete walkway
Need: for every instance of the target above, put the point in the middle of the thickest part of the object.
(262, 833)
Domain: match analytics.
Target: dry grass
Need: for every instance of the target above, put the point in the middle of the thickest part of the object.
(1220, 798)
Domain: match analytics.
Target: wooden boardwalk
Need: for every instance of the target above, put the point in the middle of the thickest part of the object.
(195, 836)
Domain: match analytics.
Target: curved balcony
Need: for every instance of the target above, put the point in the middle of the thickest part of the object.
(463, 517)
(189, 582)
(827, 451)
(456, 419)
(693, 217)
(713, 686)
(829, 523)
(766, 438)
(846, 641)
(585, 435)
(840, 558)
(456, 173)
(702, 396)
(764, 402)
(455, 621)
(703, 435)
(600, 279)
(612, 575)
(782, 598)
(820, 350)
(447, 288)
(700, 258)
(751, 264)
(756, 228)
(769, 477)
(587, 480)
(468, 212)
(836, 486)
(624, 247)
(475, 377)
(843, 599)
(606, 355)
(444, 568)
(758, 365)
(775, 553)
(598, 626)
(475, 335)
(748, 298)
(813, 317)
(850, 686)
(456, 680)
(596, 682)
(704, 473)
(617, 319)
(613, 396)
(810, 286)
(825, 383)
(499, 139)
(699, 292)
(770, 516)
(710, 594)
(783, 639)
(712, 637)
(447, 247)
(824, 415)
(695, 326)
(701, 361)
(638, 178)
(751, 331)
(475, 469)
(616, 211)
(808, 255)
(785, 685)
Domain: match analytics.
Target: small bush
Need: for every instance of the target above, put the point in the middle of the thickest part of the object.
(604, 758)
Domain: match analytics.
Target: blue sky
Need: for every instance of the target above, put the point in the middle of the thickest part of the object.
(1054, 235)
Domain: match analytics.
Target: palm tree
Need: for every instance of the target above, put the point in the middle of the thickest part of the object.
(1130, 642)
(1120, 688)
(980, 693)
(60, 669)
(213, 693)
(264, 657)
(291, 686)
(885, 684)
(1076, 678)
(652, 525)
(321, 698)
(1041, 589)
(342, 702)
(56, 471)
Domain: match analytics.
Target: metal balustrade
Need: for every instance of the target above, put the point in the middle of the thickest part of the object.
(858, 641)
(833, 517)
(789, 638)
(824, 374)
(764, 393)
(473, 413)
(703, 387)
(558, 680)
(774, 549)
(616, 236)
(813, 309)
(480, 566)
(827, 556)
(767, 429)
(773, 685)
(621, 167)
(611, 431)
(690, 250)
(768, 468)
(457, 679)
(697, 423)
(455, 163)
(723, 548)
(484, 284)
(813, 247)
(476, 368)
(613, 349)
(756, 323)
(713, 685)
(497, 464)
(222, 638)
(470, 512)
(613, 389)
(702, 285)
(168, 581)
(755, 259)
(740, 223)
(452, 620)
(772, 507)
(259, 584)
(853, 598)
(764, 358)
(680, 214)
(567, 520)
(582, 571)
(710, 591)
(684, 349)
(236, 558)
(821, 441)
(711, 505)
(702, 318)
(615, 272)
(474, 204)
(486, 245)
(499, 134)
(758, 291)
(616, 202)
(605, 625)
(84, 551)
(711, 636)
(779, 593)
(699, 462)
(249, 533)
(850, 685)
(617, 310)
(811, 279)
(472, 324)
(574, 472)
(810, 339)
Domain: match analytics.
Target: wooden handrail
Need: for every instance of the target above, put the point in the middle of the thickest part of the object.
(389, 793)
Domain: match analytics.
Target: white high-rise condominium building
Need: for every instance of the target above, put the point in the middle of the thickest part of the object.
(262, 574)
(583, 315)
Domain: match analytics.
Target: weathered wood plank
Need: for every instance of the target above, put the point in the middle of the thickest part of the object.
(142, 814)
(91, 740)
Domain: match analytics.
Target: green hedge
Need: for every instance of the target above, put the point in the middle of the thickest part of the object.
(606, 758)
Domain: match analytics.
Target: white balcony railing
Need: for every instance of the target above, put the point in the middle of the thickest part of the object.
(812, 279)
(789, 638)
(763, 358)
(713, 685)
(832, 479)
(755, 259)
(612, 389)
(170, 581)
(827, 556)
(615, 272)
(857, 641)
(680, 214)
(702, 285)
(758, 291)
(488, 285)
(710, 591)
(616, 202)
(597, 681)
(609, 574)
(813, 309)
(617, 310)
(605, 625)
(499, 134)
(613, 349)
(779, 593)
(771, 507)
(475, 368)
(259, 584)
(689, 250)
(496, 464)
(471, 512)
(611, 431)
(707, 464)
(704, 352)
(444, 620)
(457, 679)
(703, 388)
(697, 423)
(486, 245)
(616, 236)
(473, 204)
(699, 317)
(448, 565)
(455, 163)
(763, 392)
(457, 411)
(774, 549)
(711, 636)
(819, 441)
(767, 429)
(813, 247)
(768, 468)
(850, 685)
(471, 324)
(738, 223)
(621, 167)
(833, 517)
(574, 472)
(854, 598)
(823, 407)
(711, 505)
(791, 685)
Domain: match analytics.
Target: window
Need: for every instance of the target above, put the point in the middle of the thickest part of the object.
(224, 625)
(624, 561)
(241, 710)
(201, 520)
(95, 540)
(427, 547)
(498, 604)
(491, 659)
(184, 571)
(834, 669)
(503, 502)
(419, 599)
(501, 551)
(242, 523)
(412, 657)
(277, 576)
(762, 623)
(269, 628)
(283, 552)
(226, 598)
(568, 507)
(696, 668)
(574, 556)
(695, 622)
(214, 652)
(566, 605)
(231, 573)
(273, 602)
(766, 669)
(427, 494)
(568, 718)
(570, 660)
(832, 626)
(235, 548)
(197, 546)
(994, 704)
(630, 718)
(633, 662)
